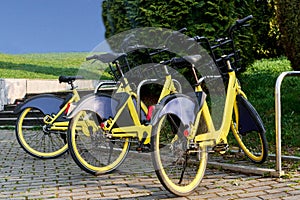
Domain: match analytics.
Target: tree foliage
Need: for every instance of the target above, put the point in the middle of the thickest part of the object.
(288, 15)
(203, 18)
(266, 30)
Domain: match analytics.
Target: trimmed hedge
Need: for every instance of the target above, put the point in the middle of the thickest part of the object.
(203, 18)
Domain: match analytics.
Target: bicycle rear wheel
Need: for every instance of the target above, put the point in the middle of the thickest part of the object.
(179, 170)
(92, 150)
(35, 139)
(253, 143)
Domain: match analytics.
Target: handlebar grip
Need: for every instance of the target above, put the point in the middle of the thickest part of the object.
(240, 22)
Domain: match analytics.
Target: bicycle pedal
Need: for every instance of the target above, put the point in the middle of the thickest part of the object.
(221, 148)
(143, 149)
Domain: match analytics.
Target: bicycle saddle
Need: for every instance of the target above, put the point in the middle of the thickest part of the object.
(193, 58)
(107, 57)
(68, 79)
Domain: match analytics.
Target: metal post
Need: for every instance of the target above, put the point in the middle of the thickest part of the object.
(278, 117)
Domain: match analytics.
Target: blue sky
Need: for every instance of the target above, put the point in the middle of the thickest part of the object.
(43, 26)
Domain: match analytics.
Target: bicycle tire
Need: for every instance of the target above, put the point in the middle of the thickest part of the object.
(179, 171)
(35, 140)
(253, 143)
(90, 148)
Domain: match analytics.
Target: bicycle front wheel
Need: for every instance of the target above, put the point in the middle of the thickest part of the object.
(35, 139)
(179, 168)
(253, 143)
(93, 150)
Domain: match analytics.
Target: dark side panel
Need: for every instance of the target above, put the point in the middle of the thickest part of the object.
(48, 104)
(102, 104)
(249, 119)
(184, 107)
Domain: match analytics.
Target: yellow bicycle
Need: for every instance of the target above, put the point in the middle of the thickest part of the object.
(179, 128)
(102, 127)
(41, 126)
(182, 140)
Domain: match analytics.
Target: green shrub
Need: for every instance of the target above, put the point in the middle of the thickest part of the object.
(258, 82)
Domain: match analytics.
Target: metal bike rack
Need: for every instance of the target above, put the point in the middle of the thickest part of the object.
(278, 118)
(277, 172)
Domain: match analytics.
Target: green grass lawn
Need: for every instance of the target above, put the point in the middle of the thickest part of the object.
(50, 66)
(258, 82)
(40, 66)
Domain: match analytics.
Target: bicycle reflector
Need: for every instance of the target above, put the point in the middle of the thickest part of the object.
(70, 107)
(186, 132)
(103, 124)
(150, 112)
(67, 108)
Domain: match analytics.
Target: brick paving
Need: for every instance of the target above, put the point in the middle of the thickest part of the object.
(24, 177)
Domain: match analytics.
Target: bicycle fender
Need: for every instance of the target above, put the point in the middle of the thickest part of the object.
(46, 103)
(184, 107)
(249, 119)
(104, 105)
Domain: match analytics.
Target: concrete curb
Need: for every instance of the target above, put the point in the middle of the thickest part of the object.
(12, 89)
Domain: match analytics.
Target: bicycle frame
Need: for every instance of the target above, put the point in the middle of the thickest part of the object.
(137, 130)
(41, 127)
(52, 120)
(50, 106)
(180, 144)
(213, 136)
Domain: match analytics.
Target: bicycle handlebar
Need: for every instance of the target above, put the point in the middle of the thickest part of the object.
(110, 57)
(224, 41)
(239, 23)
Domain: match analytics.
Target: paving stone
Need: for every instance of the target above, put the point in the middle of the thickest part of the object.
(25, 177)
(251, 194)
(291, 198)
(250, 198)
(295, 192)
(274, 196)
(254, 189)
(279, 190)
